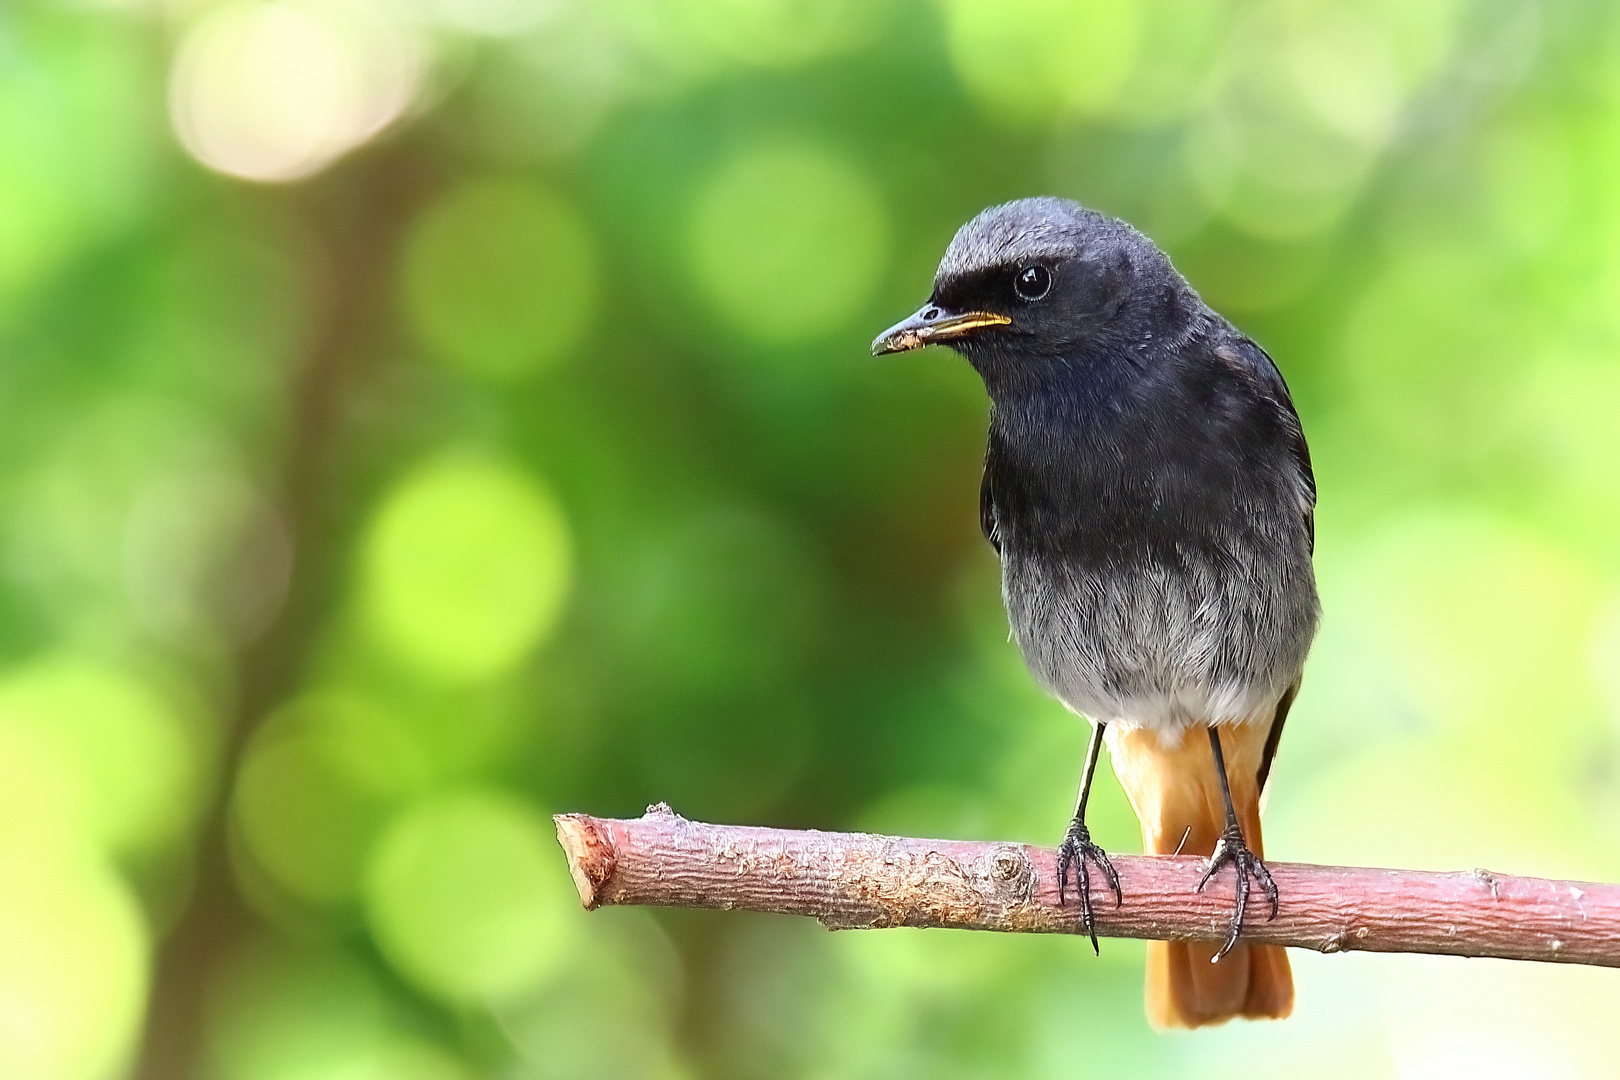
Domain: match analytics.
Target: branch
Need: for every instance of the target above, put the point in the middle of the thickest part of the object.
(857, 880)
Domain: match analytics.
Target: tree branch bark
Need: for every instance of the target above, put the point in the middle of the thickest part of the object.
(857, 880)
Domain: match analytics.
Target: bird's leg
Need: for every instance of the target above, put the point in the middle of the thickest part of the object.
(1077, 848)
(1230, 848)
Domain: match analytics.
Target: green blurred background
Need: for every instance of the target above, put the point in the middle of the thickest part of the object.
(422, 417)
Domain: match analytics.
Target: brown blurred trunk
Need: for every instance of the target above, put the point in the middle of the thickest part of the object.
(350, 221)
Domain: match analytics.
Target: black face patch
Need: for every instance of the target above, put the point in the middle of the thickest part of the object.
(990, 289)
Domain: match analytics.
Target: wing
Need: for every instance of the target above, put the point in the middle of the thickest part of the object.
(987, 499)
(1260, 371)
(1274, 736)
(1255, 366)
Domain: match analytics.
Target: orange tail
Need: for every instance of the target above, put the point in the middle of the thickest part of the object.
(1175, 792)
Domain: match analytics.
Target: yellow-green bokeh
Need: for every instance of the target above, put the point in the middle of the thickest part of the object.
(465, 567)
(771, 33)
(607, 1009)
(467, 898)
(130, 761)
(1035, 59)
(315, 1014)
(500, 277)
(76, 156)
(321, 778)
(73, 941)
(788, 239)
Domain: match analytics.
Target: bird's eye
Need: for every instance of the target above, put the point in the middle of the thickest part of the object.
(1032, 282)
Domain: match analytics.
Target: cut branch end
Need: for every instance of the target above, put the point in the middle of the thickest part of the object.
(591, 858)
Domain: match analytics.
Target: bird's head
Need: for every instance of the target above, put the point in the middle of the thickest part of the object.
(1029, 281)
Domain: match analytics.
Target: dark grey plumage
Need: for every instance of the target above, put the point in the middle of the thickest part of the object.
(1146, 481)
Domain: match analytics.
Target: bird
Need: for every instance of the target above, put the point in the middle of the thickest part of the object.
(1149, 491)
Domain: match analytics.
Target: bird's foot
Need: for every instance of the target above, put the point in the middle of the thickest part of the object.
(1230, 848)
(1075, 850)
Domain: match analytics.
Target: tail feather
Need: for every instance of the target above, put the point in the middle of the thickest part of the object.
(1177, 798)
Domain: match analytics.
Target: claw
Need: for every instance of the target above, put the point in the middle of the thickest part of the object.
(1230, 848)
(1075, 850)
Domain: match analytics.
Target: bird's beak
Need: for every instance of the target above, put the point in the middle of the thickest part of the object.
(932, 324)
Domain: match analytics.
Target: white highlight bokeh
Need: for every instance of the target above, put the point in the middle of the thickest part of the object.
(275, 90)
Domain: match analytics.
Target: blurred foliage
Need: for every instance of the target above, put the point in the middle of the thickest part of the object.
(417, 418)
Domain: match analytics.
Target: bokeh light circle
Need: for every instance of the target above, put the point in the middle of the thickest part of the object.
(1276, 175)
(465, 568)
(788, 241)
(276, 89)
(779, 33)
(1035, 59)
(320, 779)
(489, 18)
(130, 764)
(73, 942)
(77, 152)
(467, 897)
(72, 974)
(280, 1011)
(500, 277)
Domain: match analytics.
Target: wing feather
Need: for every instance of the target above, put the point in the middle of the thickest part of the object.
(1255, 366)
